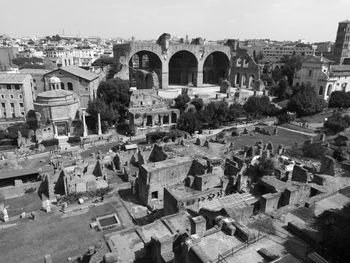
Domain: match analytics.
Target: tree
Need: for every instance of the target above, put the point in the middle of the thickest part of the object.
(216, 113)
(32, 121)
(266, 166)
(197, 103)
(285, 117)
(305, 101)
(189, 122)
(109, 114)
(276, 74)
(235, 111)
(257, 106)
(101, 62)
(339, 99)
(337, 122)
(291, 65)
(181, 102)
(115, 93)
(283, 91)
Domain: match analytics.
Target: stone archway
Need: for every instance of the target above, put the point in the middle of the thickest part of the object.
(146, 61)
(215, 68)
(183, 68)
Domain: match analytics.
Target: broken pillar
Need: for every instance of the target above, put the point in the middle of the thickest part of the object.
(198, 225)
(269, 202)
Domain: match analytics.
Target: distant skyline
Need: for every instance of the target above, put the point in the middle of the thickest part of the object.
(312, 20)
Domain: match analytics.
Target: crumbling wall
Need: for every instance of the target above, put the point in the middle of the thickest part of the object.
(328, 165)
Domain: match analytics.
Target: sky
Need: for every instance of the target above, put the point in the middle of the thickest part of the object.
(312, 20)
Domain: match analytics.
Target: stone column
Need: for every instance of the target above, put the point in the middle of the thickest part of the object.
(152, 120)
(84, 125)
(161, 120)
(55, 135)
(99, 130)
(144, 122)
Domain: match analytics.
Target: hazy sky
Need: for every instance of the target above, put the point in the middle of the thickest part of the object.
(313, 20)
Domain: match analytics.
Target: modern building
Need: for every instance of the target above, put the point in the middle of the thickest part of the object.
(72, 78)
(342, 41)
(16, 95)
(275, 53)
(318, 72)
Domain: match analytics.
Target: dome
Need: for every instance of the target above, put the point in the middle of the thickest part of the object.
(54, 80)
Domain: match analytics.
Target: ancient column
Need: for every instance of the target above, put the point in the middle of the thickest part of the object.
(55, 135)
(99, 131)
(161, 120)
(152, 120)
(84, 125)
(144, 122)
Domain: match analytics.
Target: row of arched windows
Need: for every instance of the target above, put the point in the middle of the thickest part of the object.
(69, 86)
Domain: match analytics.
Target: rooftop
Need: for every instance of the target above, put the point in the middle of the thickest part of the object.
(12, 78)
(57, 93)
(34, 71)
(166, 164)
(82, 73)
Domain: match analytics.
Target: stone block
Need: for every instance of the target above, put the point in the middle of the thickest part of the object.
(328, 165)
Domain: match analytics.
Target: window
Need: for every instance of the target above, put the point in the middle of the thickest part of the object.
(11, 96)
(21, 105)
(8, 86)
(320, 91)
(34, 80)
(20, 96)
(310, 72)
(2, 96)
(70, 86)
(62, 85)
(17, 86)
(22, 113)
(154, 195)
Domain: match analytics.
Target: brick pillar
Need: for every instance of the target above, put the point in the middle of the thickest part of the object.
(199, 78)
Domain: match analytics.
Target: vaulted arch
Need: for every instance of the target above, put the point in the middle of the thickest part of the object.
(144, 60)
(215, 68)
(183, 68)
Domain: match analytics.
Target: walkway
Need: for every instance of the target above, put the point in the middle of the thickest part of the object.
(296, 131)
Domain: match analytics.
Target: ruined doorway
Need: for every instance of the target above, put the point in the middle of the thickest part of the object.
(149, 121)
(183, 67)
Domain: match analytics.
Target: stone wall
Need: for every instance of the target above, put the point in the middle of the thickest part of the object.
(18, 190)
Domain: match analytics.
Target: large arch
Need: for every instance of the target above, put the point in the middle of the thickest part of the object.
(215, 68)
(144, 60)
(183, 68)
